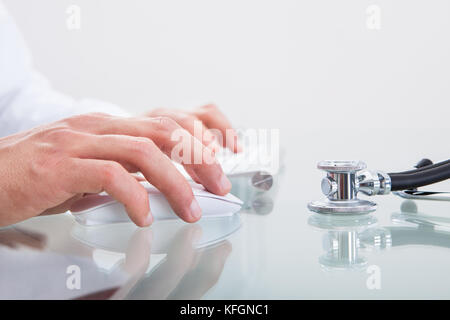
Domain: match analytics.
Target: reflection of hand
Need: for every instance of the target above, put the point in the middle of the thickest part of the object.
(186, 272)
(14, 237)
(137, 256)
(180, 257)
(181, 253)
(45, 169)
(205, 274)
(137, 259)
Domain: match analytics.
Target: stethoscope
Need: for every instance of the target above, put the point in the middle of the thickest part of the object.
(345, 179)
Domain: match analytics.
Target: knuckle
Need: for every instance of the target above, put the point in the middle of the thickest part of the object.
(187, 120)
(57, 135)
(47, 163)
(74, 120)
(96, 115)
(143, 146)
(210, 107)
(110, 172)
(80, 119)
(207, 111)
(157, 111)
(166, 124)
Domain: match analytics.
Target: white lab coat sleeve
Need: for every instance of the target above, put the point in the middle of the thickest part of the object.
(36, 103)
(26, 98)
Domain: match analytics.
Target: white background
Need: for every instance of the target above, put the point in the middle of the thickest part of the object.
(284, 63)
(309, 68)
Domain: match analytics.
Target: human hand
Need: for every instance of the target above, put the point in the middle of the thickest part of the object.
(214, 129)
(46, 169)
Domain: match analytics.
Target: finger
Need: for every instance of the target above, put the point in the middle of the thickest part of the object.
(155, 166)
(95, 176)
(192, 124)
(183, 148)
(196, 128)
(173, 140)
(193, 175)
(213, 118)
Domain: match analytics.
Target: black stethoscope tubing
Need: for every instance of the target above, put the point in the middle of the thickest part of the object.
(422, 176)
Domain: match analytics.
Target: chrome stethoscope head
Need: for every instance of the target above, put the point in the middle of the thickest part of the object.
(343, 182)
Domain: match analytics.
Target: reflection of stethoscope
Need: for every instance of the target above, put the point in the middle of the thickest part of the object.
(257, 190)
(346, 235)
(346, 178)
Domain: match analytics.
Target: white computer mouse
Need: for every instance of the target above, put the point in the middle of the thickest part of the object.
(103, 209)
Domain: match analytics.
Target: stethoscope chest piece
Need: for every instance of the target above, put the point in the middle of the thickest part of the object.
(345, 179)
(357, 206)
(341, 186)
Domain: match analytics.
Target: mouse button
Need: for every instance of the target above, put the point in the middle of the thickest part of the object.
(227, 198)
(211, 207)
(232, 198)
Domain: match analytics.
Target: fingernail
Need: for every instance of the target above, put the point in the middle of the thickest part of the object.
(149, 219)
(225, 184)
(196, 211)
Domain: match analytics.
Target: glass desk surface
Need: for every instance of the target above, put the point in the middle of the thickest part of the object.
(273, 249)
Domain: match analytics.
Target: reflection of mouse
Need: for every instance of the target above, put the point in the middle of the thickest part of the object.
(116, 237)
(103, 209)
